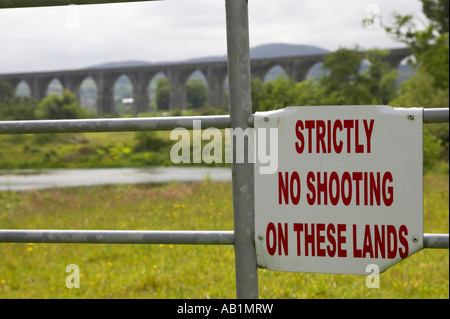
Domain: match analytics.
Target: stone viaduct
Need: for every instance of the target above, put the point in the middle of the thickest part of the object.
(215, 72)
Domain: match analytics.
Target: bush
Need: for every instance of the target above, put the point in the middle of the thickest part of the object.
(60, 107)
(17, 108)
(149, 141)
(196, 93)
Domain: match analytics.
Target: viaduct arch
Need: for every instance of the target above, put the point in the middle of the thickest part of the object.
(296, 67)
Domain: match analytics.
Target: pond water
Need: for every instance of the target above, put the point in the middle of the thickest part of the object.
(27, 179)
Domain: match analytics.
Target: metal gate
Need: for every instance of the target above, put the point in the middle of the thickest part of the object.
(242, 237)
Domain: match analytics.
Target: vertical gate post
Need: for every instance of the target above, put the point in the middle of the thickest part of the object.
(242, 173)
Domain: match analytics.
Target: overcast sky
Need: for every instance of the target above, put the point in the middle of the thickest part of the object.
(56, 38)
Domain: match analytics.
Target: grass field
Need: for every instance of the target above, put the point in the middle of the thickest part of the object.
(116, 149)
(167, 271)
(95, 150)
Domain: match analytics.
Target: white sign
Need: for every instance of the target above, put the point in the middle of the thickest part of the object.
(347, 192)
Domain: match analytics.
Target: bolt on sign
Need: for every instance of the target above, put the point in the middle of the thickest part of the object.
(348, 190)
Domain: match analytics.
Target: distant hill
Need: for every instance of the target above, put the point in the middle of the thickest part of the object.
(259, 52)
(273, 50)
(284, 50)
(120, 64)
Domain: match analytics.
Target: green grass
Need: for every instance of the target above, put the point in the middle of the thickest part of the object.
(78, 151)
(92, 150)
(181, 271)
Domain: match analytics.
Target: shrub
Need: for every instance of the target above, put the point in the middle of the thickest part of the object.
(60, 107)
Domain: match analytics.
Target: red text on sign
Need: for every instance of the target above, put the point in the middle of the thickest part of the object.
(330, 240)
(324, 136)
(325, 188)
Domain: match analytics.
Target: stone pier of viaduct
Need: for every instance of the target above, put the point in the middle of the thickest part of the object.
(215, 73)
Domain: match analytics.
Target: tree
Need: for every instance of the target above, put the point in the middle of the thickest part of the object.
(14, 108)
(429, 87)
(256, 87)
(431, 45)
(60, 107)
(309, 92)
(418, 91)
(196, 93)
(17, 108)
(6, 91)
(278, 94)
(437, 12)
(162, 94)
(343, 68)
(380, 77)
(341, 84)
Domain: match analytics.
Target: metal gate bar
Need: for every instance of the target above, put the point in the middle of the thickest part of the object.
(112, 124)
(436, 241)
(432, 115)
(435, 115)
(116, 237)
(239, 78)
(45, 3)
(148, 237)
